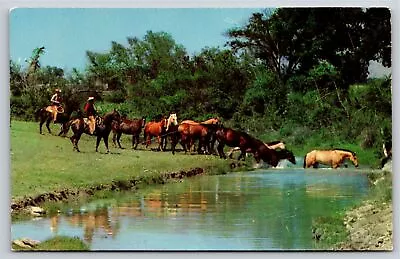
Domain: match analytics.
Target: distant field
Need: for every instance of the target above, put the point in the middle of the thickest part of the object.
(43, 163)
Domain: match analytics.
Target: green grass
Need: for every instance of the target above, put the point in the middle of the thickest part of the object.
(57, 244)
(44, 163)
(329, 231)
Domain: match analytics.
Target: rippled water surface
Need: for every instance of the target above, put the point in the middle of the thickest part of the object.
(262, 210)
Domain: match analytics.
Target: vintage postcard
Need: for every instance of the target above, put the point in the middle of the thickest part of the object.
(201, 129)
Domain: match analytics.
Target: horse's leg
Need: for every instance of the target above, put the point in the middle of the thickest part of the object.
(40, 125)
(47, 125)
(148, 141)
(74, 139)
(183, 142)
(212, 145)
(133, 141)
(98, 139)
(220, 149)
(164, 141)
(242, 154)
(61, 129)
(114, 139)
(174, 141)
(199, 146)
(192, 144)
(136, 139)
(207, 146)
(78, 137)
(118, 138)
(160, 147)
(257, 157)
(105, 138)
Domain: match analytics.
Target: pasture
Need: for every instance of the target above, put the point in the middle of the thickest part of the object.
(43, 163)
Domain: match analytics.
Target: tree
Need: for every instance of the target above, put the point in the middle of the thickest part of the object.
(291, 41)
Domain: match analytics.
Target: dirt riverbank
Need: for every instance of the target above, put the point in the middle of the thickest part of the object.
(366, 227)
(370, 227)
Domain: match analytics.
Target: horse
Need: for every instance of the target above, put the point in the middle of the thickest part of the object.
(103, 129)
(45, 116)
(271, 145)
(212, 121)
(191, 132)
(244, 141)
(285, 154)
(333, 158)
(171, 132)
(129, 127)
(160, 130)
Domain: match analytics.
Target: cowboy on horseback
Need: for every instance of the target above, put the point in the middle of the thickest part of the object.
(55, 106)
(91, 112)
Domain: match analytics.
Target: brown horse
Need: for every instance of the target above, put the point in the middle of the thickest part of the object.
(191, 132)
(214, 121)
(333, 158)
(209, 143)
(129, 127)
(244, 141)
(271, 145)
(103, 129)
(160, 130)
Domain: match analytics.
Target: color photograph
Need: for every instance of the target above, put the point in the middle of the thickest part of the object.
(200, 129)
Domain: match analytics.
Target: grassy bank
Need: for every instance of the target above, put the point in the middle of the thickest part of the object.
(56, 244)
(44, 163)
(365, 226)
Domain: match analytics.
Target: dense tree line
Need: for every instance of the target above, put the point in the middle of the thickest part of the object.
(287, 73)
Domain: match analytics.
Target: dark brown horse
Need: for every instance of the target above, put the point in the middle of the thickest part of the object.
(103, 129)
(285, 154)
(129, 127)
(277, 144)
(244, 141)
(333, 158)
(47, 117)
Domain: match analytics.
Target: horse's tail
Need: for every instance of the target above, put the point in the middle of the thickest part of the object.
(37, 113)
(304, 163)
(67, 126)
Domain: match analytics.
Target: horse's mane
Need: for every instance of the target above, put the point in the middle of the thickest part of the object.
(109, 115)
(345, 150)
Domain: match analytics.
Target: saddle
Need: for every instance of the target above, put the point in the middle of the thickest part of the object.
(98, 120)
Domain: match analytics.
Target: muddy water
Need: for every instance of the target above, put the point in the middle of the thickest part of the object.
(261, 210)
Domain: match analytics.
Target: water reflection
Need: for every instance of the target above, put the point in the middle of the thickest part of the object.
(266, 210)
(97, 221)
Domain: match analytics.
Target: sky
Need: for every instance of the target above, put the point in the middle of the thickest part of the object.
(67, 33)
